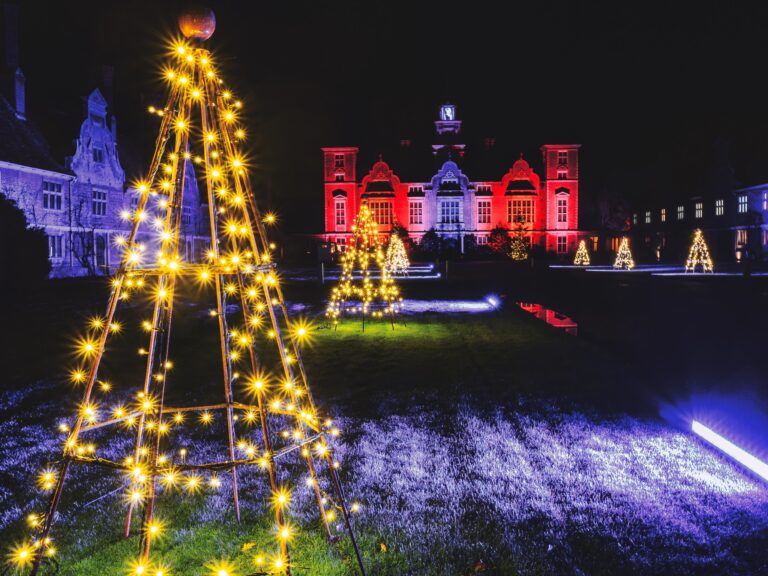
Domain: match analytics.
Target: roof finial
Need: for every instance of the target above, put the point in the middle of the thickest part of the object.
(521, 155)
(381, 158)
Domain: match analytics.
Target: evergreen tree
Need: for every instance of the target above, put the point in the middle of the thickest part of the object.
(397, 258)
(23, 252)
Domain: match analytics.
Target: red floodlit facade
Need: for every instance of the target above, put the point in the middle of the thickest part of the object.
(545, 206)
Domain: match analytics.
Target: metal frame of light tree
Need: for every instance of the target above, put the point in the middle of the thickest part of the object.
(699, 254)
(582, 255)
(243, 267)
(364, 246)
(624, 256)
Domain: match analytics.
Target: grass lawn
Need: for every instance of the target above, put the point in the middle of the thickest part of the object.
(474, 442)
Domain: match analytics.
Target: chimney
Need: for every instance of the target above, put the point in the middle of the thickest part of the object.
(19, 94)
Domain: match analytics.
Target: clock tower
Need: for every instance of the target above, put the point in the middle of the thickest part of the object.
(448, 127)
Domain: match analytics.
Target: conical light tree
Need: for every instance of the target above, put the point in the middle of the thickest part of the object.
(699, 255)
(624, 259)
(518, 245)
(582, 255)
(396, 261)
(258, 353)
(359, 291)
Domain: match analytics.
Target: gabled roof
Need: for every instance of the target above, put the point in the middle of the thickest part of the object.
(22, 144)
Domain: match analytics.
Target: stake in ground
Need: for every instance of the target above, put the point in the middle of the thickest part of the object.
(276, 418)
(358, 292)
(582, 255)
(624, 256)
(699, 255)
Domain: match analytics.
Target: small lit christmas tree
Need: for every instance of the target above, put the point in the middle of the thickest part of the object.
(259, 349)
(624, 256)
(699, 255)
(396, 262)
(518, 245)
(362, 294)
(582, 256)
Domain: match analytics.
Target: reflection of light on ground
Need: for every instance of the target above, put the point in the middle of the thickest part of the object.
(738, 454)
(551, 317)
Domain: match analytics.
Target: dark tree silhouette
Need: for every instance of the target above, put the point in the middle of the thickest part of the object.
(24, 264)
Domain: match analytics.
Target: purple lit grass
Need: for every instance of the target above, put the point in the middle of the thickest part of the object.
(532, 489)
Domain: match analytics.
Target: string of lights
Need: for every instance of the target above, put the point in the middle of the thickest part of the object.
(624, 259)
(699, 254)
(582, 255)
(364, 297)
(278, 416)
(397, 262)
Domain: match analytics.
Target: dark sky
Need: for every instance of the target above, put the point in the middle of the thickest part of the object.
(663, 97)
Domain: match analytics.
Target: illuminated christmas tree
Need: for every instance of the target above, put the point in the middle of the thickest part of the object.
(699, 255)
(582, 256)
(624, 256)
(358, 291)
(518, 246)
(270, 414)
(396, 260)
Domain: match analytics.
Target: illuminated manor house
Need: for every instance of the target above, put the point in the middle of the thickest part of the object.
(79, 203)
(451, 201)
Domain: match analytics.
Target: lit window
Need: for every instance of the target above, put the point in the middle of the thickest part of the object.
(663, 214)
(634, 218)
(519, 211)
(415, 213)
(339, 160)
(55, 244)
(562, 244)
(99, 202)
(341, 213)
(765, 200)
(562, 210)
(595, 243)
(483, 211)
(647, 216)
(742, 204)
(98, 155)
(449, 212)
(52, 195)
(741, 237)
(382, 212)
(562, 157)
(680, 212)
(719, 207)
(699, 209)
(482, 239)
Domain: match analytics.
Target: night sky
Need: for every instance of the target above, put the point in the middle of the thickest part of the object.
(667, 100)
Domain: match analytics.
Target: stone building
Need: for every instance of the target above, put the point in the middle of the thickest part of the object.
(452, 199)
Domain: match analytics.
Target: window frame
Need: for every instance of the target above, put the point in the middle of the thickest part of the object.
(53, 196)
(484, 211)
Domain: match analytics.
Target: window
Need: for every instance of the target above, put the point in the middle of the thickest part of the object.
(680, 212)
(647, 216)
(519, 211)
(765, 200)
(742, 204)
(339, 161)
(741, 237)
(98, 155)
(765, 237)
(55, 244)
(416, 190)
(562, 157)
(52, 195)
(562, 244)
(634, 218)
(415, 213)
(340, 212)
(482, 239)
(562, 174)
(382, 212)
(663, 215)
(483, 190)
(449, 212)
(186, 215)
(483, 211)
(99, 202)
(339, 177)
(595, 243)
(719, 207)
(562, 210)
(699, 209)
